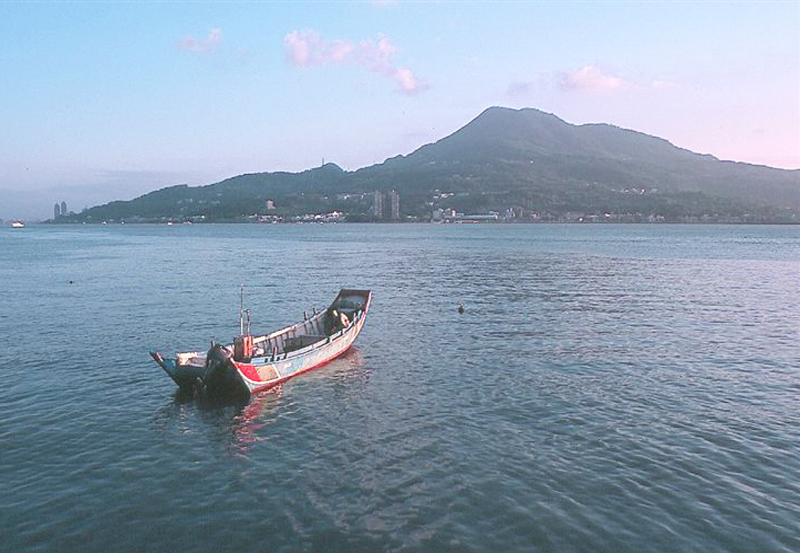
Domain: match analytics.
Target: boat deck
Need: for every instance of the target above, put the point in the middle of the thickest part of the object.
(314, 331)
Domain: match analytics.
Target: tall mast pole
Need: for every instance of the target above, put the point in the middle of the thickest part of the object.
(241, 310)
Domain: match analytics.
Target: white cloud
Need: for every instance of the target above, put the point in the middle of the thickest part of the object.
(591, 80)
(308, 49)
(202, 45)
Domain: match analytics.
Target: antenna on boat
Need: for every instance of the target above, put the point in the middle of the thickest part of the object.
(241, 309)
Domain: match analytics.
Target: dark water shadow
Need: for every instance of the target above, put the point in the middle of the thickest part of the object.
(231, 421)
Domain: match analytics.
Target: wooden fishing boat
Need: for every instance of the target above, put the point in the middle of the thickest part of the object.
(255, 363)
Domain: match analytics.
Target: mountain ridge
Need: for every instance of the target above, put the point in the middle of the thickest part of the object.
(502, 158)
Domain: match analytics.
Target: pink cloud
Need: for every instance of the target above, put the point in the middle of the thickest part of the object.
(406, 80)
(308, 49)
(591, 80)
(201, 45)
(376, 57)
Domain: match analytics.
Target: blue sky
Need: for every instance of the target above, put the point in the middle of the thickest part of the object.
(109, 100)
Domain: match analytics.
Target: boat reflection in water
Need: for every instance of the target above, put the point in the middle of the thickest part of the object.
(244, 422)
(256, 414)
(264, 407)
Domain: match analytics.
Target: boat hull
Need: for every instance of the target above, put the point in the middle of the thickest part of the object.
(228, 376)
(223, 374)
(257, 377)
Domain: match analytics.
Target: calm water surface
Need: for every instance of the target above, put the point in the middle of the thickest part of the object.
(609, 388)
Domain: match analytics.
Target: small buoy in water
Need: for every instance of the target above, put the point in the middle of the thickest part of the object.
(461, 308)
(70, 282)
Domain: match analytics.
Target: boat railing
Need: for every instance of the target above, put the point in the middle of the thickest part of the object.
(291, 329)
(274, 344)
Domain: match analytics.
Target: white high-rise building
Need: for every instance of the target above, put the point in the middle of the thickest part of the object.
(394, 197)
(378, 206)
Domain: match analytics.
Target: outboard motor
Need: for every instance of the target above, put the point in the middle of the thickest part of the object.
(217, 360)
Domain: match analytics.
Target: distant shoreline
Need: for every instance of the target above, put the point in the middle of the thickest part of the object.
(434, 223)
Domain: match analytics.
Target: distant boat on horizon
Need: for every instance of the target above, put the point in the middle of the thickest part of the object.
(17, 224)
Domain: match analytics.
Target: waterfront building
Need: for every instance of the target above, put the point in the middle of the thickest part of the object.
(56, 210)
(386, 205)
(63, 208)
(394, 197)
(378, 205)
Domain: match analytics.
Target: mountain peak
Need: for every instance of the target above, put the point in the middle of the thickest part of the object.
(501, 131)
(530, 116)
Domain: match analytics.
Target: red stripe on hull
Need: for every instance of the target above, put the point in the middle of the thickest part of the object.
(283, 379)
(248, 370)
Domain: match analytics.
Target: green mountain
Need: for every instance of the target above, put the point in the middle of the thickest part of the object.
(525, 159)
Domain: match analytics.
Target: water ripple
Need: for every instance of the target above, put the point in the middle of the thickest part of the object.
(614, 388)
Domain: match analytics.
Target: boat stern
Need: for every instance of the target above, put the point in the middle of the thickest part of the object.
(221, 376)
